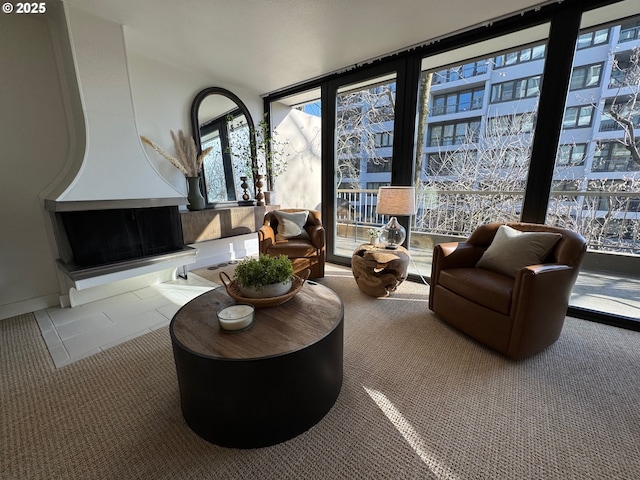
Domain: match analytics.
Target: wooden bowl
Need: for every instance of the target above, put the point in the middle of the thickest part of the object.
(234, 291)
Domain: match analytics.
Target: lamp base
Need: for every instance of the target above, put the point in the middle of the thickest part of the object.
(393, 234)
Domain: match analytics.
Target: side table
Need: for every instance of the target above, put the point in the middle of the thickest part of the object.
(379, 271)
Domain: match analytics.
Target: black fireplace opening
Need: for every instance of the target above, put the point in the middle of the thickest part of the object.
(101, 237)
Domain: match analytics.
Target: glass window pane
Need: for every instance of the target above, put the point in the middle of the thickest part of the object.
(570, 117)
(602, 172)
(452, 103)
(584, 120)
(584, 40)
(464, 102)
(213, 167)
(538, 52)
(365, 163)
(478, 173)
(577, 78)
(601, 36)
(593, 75)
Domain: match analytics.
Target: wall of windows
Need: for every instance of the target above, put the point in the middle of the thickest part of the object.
(505, 122)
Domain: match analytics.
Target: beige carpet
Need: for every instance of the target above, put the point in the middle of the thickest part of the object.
(419, 401)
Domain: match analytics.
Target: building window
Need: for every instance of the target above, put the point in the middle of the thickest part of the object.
(383, 139)
(511, 124)
(379, 165)
(625, 70)
(591, 39)
(454, 133)
(630, 31)
(578, 117)
(571, 155)
(461, 101)
(516, 89)
(626, 109)
(459, 72)
(587, 76)
(613, 156)
(525, 55)
(621, 205)
(349, 116)
(381, 114)
(349, 144)
(449, 163)
(376, 185)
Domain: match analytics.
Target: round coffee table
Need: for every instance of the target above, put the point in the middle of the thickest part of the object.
(264, 385)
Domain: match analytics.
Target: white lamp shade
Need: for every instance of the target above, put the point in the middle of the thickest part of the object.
(396, 201)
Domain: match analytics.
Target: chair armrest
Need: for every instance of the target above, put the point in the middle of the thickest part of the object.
(456, 255)
(451, 255)
(317, 236)
(266, 237)
(539, 306)
(547, 267)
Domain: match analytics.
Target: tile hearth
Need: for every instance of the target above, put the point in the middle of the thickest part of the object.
(72, 334)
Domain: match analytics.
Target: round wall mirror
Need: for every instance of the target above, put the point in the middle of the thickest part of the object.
(219, 119)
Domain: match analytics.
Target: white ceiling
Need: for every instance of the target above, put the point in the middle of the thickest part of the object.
(266, 45)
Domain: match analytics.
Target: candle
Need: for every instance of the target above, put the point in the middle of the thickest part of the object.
(235, 317)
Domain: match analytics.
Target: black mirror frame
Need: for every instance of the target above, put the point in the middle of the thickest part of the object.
(195, 125)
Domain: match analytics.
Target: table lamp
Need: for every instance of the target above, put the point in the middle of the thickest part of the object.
(395, 201)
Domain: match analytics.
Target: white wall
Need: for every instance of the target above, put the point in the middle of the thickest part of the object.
(162, 96)
(300, 185)
(35, 142)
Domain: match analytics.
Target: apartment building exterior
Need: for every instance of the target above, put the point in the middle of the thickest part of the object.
(477, 139)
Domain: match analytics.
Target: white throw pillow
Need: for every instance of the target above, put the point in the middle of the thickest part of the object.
(512, 250)
(291, 224)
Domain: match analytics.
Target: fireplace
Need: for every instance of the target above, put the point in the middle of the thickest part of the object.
(102, 242)
(115, 218)
(103, 237)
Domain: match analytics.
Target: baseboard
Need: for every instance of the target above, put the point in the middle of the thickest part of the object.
(28, 306)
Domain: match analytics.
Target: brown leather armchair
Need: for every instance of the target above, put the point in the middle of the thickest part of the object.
(515, 316)
(305, 251)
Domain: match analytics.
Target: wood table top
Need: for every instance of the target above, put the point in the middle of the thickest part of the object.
(308, 317)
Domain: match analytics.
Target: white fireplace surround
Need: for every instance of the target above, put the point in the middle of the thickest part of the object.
(107, 165)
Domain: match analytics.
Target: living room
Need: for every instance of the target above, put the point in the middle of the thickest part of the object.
(161, 81)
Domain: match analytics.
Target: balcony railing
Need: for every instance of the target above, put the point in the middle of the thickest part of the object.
(610, 221)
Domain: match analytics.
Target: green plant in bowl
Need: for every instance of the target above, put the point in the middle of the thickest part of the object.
(265, 276)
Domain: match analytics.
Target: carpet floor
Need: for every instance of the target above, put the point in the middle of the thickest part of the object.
(419, 401)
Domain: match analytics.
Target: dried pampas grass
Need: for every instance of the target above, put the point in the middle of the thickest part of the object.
(187, 159)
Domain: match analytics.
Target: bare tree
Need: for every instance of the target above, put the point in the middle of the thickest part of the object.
(363, 116)
(480, 180)
(625, 107)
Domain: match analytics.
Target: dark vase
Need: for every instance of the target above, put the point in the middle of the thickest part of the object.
(196, 200)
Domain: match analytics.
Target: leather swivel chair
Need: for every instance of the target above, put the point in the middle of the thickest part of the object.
(306, 251)
(517, 315)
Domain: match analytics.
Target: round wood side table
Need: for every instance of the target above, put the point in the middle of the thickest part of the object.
(379, 271)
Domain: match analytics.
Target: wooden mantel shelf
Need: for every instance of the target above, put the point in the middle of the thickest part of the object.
(210, 224)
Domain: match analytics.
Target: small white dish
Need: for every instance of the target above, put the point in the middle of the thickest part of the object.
(236, 318)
